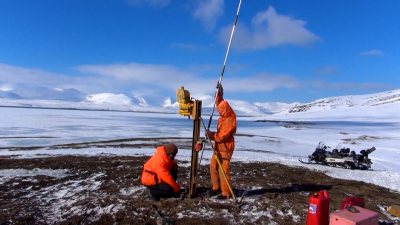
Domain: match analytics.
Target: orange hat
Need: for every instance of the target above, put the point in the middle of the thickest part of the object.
(171, 149)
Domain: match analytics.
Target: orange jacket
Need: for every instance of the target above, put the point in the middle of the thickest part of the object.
(226, 128)
(157, 169)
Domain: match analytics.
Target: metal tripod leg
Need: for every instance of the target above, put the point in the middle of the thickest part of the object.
(219, 162)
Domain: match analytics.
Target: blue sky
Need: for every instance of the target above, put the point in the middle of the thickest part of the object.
(286, 51)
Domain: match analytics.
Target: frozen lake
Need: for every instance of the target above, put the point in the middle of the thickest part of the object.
(282, 142)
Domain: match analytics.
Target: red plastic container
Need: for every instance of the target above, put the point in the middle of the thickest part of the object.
(318, 209)
(353, 201)
(360, 217)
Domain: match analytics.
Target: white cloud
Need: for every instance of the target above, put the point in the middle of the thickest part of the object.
(106, 78)
(172, 78)
(260, 82)
(208, 12)
(269, 29)
(372, 52)
(164, 80)
(142, 73)
(13, 74)
(154, 3)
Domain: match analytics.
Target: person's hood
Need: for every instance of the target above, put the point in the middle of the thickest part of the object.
(225, 109)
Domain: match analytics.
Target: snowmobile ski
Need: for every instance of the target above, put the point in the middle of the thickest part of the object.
(305, 162)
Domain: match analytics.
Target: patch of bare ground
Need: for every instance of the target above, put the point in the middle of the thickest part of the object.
(353, 141)
(105, 189)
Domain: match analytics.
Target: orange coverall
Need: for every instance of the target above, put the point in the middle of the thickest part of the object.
(224, 145)
(157, 170)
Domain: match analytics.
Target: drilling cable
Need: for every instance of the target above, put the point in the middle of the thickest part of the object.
(202, 151)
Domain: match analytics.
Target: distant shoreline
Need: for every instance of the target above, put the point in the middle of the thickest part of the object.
(101, 110)
(106, 110)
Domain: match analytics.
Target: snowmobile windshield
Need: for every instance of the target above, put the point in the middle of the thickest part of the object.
(338, 147)
(321, 145)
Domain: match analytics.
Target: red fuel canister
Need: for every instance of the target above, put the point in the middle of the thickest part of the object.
(318, 209)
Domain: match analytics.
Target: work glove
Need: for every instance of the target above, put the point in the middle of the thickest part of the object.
(210, 134)
(219, 86)
(219, 96)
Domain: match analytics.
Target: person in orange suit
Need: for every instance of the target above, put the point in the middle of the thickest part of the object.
(223, 146)
(160, 173)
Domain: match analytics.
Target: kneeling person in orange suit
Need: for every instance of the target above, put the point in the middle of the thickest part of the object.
(160, 173)
(224, 146)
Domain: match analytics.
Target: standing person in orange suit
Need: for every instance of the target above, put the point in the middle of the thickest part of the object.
(160, 173)
(224, 146)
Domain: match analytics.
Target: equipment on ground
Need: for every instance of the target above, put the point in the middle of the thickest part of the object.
(354, 215)
(353, 201)
(340, 157)
(394, 210)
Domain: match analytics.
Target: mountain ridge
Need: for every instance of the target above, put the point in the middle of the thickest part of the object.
(45, 97)
(349, 101)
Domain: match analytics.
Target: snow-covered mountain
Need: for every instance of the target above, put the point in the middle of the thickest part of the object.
(349, 101)
(46, 97)
(275, 107)
(43, 93)
(9, 95)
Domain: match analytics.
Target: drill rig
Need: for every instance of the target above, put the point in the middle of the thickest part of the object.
(192, 109)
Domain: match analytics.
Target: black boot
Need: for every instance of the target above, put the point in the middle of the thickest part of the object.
(222, 197)
(152, 197)
(211, 193)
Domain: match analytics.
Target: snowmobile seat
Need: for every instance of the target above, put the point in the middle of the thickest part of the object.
(328, 153)
(345, 150)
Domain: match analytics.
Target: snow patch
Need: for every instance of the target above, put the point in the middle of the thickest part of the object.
(12, 173)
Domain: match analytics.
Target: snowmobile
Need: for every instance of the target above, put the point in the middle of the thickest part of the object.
(340, 157)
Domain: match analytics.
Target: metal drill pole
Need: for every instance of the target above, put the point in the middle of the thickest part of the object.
(223, 67)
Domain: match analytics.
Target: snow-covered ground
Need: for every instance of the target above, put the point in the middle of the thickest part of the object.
(255, 141)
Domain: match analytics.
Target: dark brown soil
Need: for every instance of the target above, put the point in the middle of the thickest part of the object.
(105, 189)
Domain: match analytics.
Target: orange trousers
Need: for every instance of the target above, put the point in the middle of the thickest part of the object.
(217, 177)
